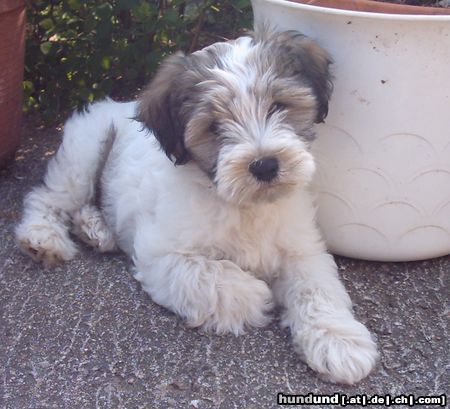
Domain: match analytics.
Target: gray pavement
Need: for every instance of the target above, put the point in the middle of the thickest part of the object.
(85, 335)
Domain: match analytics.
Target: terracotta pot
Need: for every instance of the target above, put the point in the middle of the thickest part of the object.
(375, 7)
(383, 153)
(12, 37)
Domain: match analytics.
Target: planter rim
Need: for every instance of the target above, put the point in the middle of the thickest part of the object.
(363, 14)
(9, 5)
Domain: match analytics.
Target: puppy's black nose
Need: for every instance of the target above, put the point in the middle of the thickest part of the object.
(264, 169)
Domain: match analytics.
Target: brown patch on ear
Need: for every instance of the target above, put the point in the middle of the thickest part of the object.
(163, 106)
(300, 57)
(167, 105)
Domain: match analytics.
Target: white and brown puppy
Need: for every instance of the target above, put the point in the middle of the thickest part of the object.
(220, 223)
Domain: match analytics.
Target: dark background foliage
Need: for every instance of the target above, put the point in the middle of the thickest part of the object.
(80, 51)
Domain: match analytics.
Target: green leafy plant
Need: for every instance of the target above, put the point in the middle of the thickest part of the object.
(80, 51)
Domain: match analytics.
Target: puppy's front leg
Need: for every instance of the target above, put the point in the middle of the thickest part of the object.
(215, 294)
(318, 312)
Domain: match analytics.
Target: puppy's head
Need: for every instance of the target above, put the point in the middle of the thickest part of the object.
(244, 111)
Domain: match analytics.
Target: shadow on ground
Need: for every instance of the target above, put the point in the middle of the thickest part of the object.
(86, 336)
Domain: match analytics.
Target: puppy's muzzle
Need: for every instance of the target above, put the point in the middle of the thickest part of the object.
(265, 169)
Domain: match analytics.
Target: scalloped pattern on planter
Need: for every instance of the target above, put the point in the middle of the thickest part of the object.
(391, 208)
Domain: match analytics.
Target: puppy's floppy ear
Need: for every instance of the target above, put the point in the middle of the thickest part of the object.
(164, 106)
(299, 56)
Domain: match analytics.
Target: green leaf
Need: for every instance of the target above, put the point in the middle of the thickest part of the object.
(106, 63)
(46, 47)
(104, 11)
(28, 87)
(74, 4)
(144, 11)
(47, 23)
(241, 4)
(127, 4)
(191, 12)
(171, 16)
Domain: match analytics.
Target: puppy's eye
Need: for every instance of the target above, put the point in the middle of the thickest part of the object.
(214, 128)
(276, 107)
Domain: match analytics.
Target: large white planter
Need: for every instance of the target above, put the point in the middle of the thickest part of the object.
(384, 152)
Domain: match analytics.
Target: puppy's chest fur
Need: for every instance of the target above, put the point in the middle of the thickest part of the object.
(248, 237)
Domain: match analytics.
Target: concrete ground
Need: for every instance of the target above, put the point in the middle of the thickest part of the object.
(85, 335)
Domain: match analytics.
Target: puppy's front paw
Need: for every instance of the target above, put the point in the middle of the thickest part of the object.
(45, 243)
(342, 350)
(214, 294)
(242, 300)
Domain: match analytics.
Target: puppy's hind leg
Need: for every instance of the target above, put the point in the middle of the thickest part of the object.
(69, 184)
(90, 226)
(42, 233)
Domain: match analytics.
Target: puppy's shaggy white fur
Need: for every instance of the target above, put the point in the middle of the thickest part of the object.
(230, 227)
